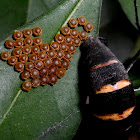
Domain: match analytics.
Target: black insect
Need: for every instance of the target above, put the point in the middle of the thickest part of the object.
(111, 92)
(111, 101)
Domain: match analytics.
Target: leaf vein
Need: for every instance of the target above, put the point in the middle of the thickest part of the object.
(9, 108)
(70, 15)
(73, 11)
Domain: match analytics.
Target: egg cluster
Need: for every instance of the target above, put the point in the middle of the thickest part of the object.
(41, 63)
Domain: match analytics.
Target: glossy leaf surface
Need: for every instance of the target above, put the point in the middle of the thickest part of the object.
(49, 112)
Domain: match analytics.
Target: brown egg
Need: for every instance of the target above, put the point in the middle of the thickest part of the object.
(65, 30)
(5, 55)
(59, 38)
(35, 49)
(47, 62)
(51, 54)
(60, 72)
(9, 43)
(35, 82)
(39, 65)
(25, 75)
(68, 40)
(83, 35)
(26, 50)
(54, 46)
(44, 80)
(17, 35)
(56, 62)
(16, 52)
(19, 66)
(28, 41)
(12, 60)
(29, 66)
(33, 57)
(27, 32)
(42, 55)
(74, 33)
(88, 27)
(68, 56)
(34, 73)
(63, 47)
(37, 31)
(18, 43)
(53, 79)
(82, 20)
(71, 48)
(26, 85)
(60, 54)
(43, 72)
(23, 58)
(76, 42)
(37, 41)
(73, 23)
(65, 64)
(52, 70)
(44, 47)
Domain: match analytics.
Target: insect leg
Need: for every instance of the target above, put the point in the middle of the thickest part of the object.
(103, 40)
(134, 59)
(137, 88)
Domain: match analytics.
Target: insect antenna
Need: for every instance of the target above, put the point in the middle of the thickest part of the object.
(103, 40)
(134, 59)
(137, 88)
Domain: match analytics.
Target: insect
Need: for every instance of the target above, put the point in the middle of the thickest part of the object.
(110, 109)
(111, 91)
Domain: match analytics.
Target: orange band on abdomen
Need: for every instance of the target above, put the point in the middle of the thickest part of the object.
(105, 64)
(116, 116)
(110, 88)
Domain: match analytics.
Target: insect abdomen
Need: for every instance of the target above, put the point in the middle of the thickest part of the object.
(111, 92)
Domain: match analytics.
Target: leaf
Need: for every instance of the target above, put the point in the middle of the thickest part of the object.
(129, 10)
(14, 18)
(16, 13)
(39, 7)
(49, 112)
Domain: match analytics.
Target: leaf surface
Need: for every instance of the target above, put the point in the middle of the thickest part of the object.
(49, 112)
(38, 7)
(12, 15)
(129, 9)
(16, 13)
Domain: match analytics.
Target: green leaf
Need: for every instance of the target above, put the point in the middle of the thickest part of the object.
(49, 112)
(12, 15)
(16, 13)
(39, 7)
(129, 10)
